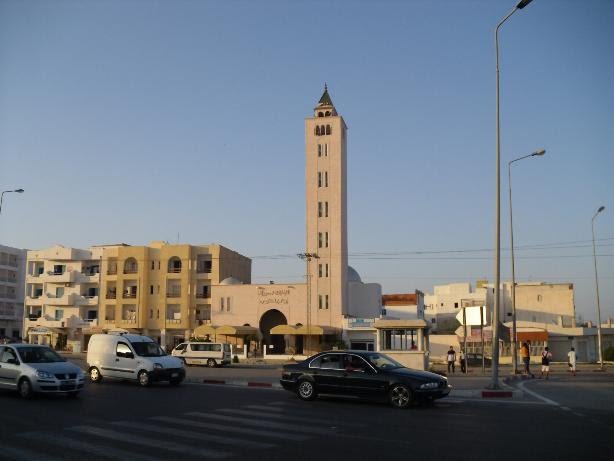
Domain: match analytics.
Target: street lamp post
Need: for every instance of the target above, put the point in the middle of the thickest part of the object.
(19, 191)
(495, 320)
(601, 208)
(509, 182)
(307, 257)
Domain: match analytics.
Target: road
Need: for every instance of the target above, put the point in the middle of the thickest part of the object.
(119, 420)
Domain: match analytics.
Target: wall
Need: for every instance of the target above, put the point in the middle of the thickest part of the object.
(364, 300)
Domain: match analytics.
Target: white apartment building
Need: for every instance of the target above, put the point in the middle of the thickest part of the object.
(61, 294)
(441, 307)
(12, 273)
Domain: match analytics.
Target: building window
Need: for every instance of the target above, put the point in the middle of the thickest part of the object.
(319, 239)
(326, 270)
(400, 340)
(221, 304)
(151, 289)
(153, 265)
(59, 314)
(320, 270)
(326, 209)
(325, 239)
(158, 314)
(325, 150)
(319, 150)
(456, 305)
(326, 179)
(227, 304)
(319, 209)
(320, 302)
(317, 130)
(328, 130)
(319, 179)
(539, 298)
(326, 301)
(151, 313)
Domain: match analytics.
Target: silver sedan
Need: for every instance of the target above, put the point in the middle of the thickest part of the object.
(30, 368)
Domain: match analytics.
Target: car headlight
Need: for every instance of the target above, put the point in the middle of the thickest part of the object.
(44, 375)
(158, 366)
(429, 386)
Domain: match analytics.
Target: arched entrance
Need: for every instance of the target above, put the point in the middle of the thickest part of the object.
(270, 319)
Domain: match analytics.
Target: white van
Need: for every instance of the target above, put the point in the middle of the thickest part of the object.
(125, 356)
(210, 354)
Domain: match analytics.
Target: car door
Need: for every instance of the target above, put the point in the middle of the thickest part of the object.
(125, 363)
(327, 371)
(360, 378)
(9, 368)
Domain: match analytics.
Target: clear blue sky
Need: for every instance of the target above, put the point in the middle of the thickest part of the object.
(131, 121)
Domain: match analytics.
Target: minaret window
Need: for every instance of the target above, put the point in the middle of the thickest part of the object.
(319, 179)
(325, 150)
(318, 130)
(326, 179)
(319, 150)
(325, 239)
(326, 209)
(320, 209)
(319, 239)
(328, 130)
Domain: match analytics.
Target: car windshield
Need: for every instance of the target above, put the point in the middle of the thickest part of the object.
(383, 362)
(147, 349)
(38, 355)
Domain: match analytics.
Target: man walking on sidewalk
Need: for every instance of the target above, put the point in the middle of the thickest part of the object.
(546, 357)
(525, 353)
(571, 360)
(451, 359)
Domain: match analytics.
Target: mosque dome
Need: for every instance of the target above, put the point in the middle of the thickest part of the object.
(230, 281)
(353, 276)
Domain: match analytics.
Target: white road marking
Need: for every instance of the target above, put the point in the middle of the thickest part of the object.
(521, 385)
(193, 435)
(97, 451)
(148, 442)
(26, 455)
(292, 418)
(228, 428)
(259, 423)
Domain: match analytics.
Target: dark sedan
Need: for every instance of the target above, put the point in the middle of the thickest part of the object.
(362, 374)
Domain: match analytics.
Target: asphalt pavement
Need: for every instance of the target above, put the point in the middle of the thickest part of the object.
(119, 420)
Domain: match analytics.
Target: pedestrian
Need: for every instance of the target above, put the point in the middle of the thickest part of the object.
(571, 360)
(525, 353)
(461, 359)
(451, 359)
(546, 357)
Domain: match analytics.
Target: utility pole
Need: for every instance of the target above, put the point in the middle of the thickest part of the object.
(307, 257)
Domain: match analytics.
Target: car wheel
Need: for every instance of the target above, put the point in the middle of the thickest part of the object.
(211, 363)
(143, 378)
(400, 396)
(25, 388)
(306, 390)
(95, 375)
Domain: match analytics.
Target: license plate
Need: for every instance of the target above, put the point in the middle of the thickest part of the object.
(174, 375)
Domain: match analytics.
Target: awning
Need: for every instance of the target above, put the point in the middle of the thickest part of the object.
(235, 331)
(284, 330)
(204, 330)
(317, 330)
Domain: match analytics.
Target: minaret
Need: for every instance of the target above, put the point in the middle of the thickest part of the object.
(326, 194)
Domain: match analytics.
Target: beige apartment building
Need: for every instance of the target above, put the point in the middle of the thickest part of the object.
(159, 290)
(12, 273)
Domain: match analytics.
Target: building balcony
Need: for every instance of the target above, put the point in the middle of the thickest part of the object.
(131, 271)
(112, 271)
(202, 295)
(129, 295)
(34, 300)
(88, 277)
(127, 322)
(46, 321)
(111, 295)
(173, 295)
(174, 270)
(60, 277)
(65, 300)
(86, 300)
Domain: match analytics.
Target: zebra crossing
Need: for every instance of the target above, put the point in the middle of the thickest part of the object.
(223, 433)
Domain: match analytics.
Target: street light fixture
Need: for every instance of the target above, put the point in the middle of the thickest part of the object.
(537, 153)
(601, 208)
(19, 191)
(495, 320)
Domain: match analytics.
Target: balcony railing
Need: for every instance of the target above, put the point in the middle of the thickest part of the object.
(112, 271)
(174, 270)
(203, 270)
(129, 295)
(173, 295)
(130, 270)
(112, 295)
(173, 321)
(202, 295)
(128, 320)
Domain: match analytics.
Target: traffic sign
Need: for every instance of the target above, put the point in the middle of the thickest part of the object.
(472, 315)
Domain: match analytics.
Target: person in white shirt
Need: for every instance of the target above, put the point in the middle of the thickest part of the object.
(571, 359)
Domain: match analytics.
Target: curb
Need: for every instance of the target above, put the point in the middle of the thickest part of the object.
(235, 383)
(487, 394)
